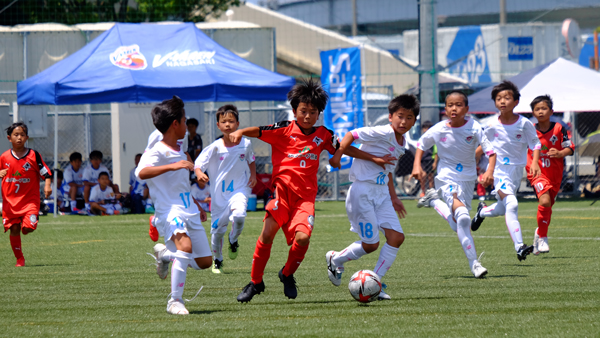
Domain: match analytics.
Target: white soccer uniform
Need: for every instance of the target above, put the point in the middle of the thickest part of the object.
(176, 211)
(137, 185)
(70, 176)
(107, 195)
(510, 142)
(228, 170)
(456, 170)
(201, 195)
(157, 136)
(368, 203)
(91, 175)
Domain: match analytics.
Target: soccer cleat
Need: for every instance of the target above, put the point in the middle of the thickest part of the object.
(543, 245)
(424, 201)
(382, 294)
(478, 270)
(478, 219)
(176, 307)
(217, 266)
(20, 262)
(536, 239)
(249, 291)
(289, 285)
(233, 250)
(162, 267)
(153, 232)
(334, 271)
(523, 251)
(149, 209)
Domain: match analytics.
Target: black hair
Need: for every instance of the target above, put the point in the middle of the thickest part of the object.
(310, 92)
(506, 85)
(542, 98)
(75, 156)
(58, 174)
(16, 125)
(138, 155)
(458, 92)
(164, 113)
(103, 173)
(192, 121)
(96, 154)
(426, 124)
(405, 101)
(228, 109)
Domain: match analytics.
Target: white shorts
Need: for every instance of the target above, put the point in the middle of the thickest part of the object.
(507, 178)
(462, 189)
(369, 208)
(222, 215)
(190, 226)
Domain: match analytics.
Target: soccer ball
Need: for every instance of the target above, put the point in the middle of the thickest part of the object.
(365, 286)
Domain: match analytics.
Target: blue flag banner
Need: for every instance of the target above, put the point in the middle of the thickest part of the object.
(340, 77)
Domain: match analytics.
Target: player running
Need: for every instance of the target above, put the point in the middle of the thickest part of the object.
(166, 169)
(555, 145)
(510, 136)
(457, 140)
(372, 200)
(233, 171)
(21, 169)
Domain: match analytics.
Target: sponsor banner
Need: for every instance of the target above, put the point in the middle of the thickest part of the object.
(468, 47)
(520, 48)
(341, 78)
(131, 57)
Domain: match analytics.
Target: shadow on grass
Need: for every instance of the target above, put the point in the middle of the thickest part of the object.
(42, 265)
(507, 276)
(204, 312)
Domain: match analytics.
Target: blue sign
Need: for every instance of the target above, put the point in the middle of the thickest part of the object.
(520, 48)
(468, 47)
(340, 77)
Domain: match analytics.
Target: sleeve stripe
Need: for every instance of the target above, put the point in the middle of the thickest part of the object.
(355, 135)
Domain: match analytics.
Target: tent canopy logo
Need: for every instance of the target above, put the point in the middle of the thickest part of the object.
(128, 57)
(184, 59)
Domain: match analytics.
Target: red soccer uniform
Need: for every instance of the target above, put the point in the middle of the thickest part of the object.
(552, 168)
(21, 188)
(295, 159)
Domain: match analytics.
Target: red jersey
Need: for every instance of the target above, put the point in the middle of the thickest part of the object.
(21, 185)
(556, 137)
(295, 156)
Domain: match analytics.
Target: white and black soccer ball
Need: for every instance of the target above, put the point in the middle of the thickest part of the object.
(365, 286)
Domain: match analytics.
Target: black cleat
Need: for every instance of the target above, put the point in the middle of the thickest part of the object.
(233, 250)
(524, 250)
(249, 291)
(289, 285)
(478, 219)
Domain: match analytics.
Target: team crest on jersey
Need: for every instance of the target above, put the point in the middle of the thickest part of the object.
(469, 139)
(519, 136)
(32, 219)
(553, 139)
(17, 174)
(311, 220)
(242, 157)
(317, 140)
(167, 153)
(27, 166)
(443, 139)
(304, 150)
(544, 148)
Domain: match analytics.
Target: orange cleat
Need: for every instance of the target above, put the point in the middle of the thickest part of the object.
(152, 231)
(20, 262)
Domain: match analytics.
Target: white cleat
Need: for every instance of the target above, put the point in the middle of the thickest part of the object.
(334, 271)
(176, 307)
(383, 296)
(162, 267)
(424, 201)
(543, 245)
(478, 270)
(536, 240)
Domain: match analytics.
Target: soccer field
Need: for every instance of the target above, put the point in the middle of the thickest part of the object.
(90, 276)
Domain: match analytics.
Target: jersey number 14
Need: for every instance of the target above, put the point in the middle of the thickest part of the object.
(229, 187)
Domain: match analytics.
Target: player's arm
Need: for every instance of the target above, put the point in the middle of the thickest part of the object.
(418, 171)
(151, 172)
(567, 145)
(346, 148)
(201, 164)
(486, 147)
(203, 216)
(236, 136)
(252, 180)
(396, 202)
(45, 173)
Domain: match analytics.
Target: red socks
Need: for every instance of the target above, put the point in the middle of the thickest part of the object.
(15, 243)
(259, 262)
(295, 258)
(543, 220)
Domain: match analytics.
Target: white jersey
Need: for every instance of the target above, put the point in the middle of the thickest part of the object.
(72, 176)
(98, 195)
(227, 168)
(91, 175)
(201, 194)
(170, 191)
(377, 141)
(510, 141)
(157, 136)
(456, 149)
(137, 185)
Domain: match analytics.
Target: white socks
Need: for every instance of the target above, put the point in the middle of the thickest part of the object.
(442, 208)
(178, 274)
(216, 242)
(353, 252)
(464, 234)
(236, 228)
(494, 210)
(512, 220)
(387, 256)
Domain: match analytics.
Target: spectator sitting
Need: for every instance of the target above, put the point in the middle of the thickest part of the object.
(138, 190)
(103, 200)
(62, 192)
(194, 140)
(74, 180)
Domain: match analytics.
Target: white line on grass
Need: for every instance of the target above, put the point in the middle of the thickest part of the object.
(496, 237)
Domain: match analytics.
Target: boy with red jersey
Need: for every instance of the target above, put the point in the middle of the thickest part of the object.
(296, 147)
(21, 169)
(555, 145)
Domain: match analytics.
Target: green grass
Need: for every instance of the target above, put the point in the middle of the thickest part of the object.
(90, 276)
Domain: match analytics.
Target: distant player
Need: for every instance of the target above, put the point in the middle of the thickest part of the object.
(165, 168)
(103, 200)
(21, 169)
(457, 140)
(371, 203)
(555, 146)
(510, 135)
(233, 174)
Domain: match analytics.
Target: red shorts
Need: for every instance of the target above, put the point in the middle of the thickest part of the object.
(291, 212)
(28, 221)
(542, 184)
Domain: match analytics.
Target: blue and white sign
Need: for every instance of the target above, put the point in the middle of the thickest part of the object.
(340, 77)
(469, 46)
(520, 48)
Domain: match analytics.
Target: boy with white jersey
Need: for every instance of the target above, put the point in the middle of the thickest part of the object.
(457, 140)
(103, 200)
(74, 179)
(90, 175)
(165, 168)
(510, 135)
(372, 200)
(232, 170)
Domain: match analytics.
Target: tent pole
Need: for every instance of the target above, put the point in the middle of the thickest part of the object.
(54, 180)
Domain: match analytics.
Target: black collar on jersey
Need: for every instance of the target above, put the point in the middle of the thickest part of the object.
(15, 156)
(552, 124)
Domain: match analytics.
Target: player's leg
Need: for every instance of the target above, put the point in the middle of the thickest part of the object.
(544, 215)
(502, 187)
(514, 226)
(217, 232)
(86, 196)
(463, 222)
(181, 260)
(239, 204)
(14, 226)
(153, 231)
